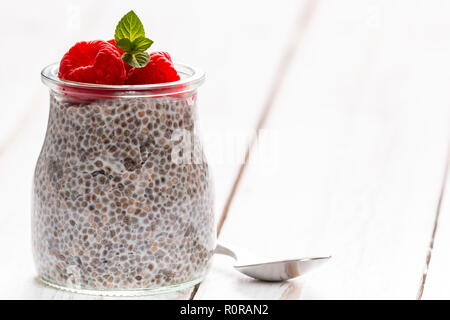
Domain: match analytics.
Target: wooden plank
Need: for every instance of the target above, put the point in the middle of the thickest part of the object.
(361, 129)
(231, 47)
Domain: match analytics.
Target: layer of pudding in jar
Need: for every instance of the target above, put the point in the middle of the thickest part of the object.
(113, 209)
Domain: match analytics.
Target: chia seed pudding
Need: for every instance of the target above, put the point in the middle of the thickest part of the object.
(112, 208)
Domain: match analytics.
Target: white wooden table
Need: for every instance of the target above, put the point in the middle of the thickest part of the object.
(345, 107)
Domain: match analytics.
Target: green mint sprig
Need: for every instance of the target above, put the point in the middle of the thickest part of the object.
(130, 37)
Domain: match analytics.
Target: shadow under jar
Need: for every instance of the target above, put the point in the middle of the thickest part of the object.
(122, 196)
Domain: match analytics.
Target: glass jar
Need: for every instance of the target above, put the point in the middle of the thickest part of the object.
(122, 195)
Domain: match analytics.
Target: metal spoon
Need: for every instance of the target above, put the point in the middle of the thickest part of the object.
(276, 270)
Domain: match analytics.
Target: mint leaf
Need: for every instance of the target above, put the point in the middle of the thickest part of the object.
(124, 44)
(136, 60)
(130, 38)
(141, 44)
(129, 27)
(137, 46)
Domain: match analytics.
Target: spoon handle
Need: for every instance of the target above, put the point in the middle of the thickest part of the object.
(225, 251)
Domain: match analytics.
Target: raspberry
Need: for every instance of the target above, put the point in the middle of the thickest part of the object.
(93, 62)
(159, 69)
(121, 52)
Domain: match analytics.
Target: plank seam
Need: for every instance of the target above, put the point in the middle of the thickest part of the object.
(435, 227)
(286, 61)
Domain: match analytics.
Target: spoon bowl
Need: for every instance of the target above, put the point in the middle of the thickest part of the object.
(275, 271)
(281, 270)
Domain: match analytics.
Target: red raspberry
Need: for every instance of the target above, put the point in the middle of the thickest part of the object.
(93, 62)
(159, 69)
(121, 52)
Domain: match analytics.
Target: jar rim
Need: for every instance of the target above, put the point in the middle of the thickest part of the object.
(191, 79)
